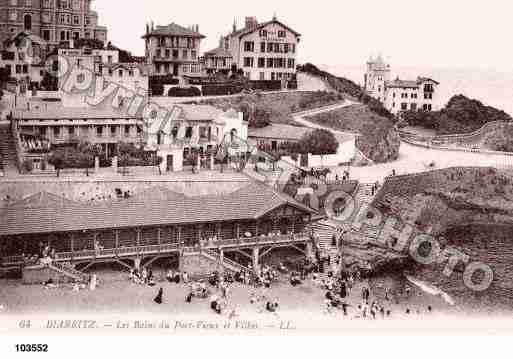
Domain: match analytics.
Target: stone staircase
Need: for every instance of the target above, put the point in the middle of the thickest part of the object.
(70, 272)
(8, 156)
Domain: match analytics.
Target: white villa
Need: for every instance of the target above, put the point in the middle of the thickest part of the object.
(399, 95)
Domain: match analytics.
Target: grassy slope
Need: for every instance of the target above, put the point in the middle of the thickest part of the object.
(281, 105)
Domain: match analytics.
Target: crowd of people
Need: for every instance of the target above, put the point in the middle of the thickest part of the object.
(143, 277)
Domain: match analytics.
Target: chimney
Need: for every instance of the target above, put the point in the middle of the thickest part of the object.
(197, 27)
(234, 25)
(251, 22)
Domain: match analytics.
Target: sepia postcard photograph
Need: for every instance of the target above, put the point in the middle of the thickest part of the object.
(274, 168)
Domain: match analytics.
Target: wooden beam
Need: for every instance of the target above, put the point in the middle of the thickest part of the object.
(238, 251)
(72, 244)
(159, 234)
(151, 261)
(297, 248)
(266, 251)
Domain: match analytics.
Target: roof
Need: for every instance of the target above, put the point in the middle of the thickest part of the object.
(279, 131)
(42, 199)
(173, 30)
(144, 68)
(397, 83)
(218, 52)
(60, 112)
(180, 112)
(250, 202)
(246, 31)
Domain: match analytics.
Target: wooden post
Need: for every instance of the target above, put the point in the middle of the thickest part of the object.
(256, 229)
(255, 259)
(72, 244)
(218, 234)
(293, 223)
(159, 230)
(116, 236)
(237, 226)
(138, 238)
(179, 235)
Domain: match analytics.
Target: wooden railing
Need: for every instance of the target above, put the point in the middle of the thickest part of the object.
(121, 252)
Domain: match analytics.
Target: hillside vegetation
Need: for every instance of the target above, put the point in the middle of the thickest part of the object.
(460, 115)
(261, 109)
(379, 140)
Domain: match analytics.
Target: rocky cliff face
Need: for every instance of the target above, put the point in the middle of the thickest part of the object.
(380, 147)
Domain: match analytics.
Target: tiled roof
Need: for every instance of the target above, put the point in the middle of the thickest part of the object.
(218, 52)
(173, 30)
(55, 113)
(278, 131)
(245, 31)
(250, 202)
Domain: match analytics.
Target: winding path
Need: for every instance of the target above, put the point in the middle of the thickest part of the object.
(413, 158)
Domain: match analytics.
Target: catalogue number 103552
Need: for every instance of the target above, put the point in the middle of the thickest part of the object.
(31, 348)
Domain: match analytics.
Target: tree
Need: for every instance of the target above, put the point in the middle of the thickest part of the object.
(319, 142)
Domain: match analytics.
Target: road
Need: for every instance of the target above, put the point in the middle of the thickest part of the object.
(412, 159)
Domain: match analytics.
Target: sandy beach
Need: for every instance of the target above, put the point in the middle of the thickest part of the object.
(301, 308)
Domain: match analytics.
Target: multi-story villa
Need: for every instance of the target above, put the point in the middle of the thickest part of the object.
(173, 50)
(264, 51)
(23, 58)
(399, 95)
(52, 20)
(219, 59)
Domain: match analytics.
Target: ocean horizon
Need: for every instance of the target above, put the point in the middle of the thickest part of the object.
(491, 87)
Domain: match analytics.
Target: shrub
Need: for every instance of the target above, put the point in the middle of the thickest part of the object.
(184, 92)
(319, 142)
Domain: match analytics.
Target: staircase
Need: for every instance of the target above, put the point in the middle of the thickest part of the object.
(226, 263)
(8, 156)
(70, 272)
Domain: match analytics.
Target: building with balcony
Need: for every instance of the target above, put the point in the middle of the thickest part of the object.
(400, 95)
(173, 50)
(51, 20)
(69, 125)
(23, 58)
(200, 232)
(264, 51)
(192, 133)
(219, 59)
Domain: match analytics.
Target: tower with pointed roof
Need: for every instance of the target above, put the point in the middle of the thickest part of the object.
(377, 74)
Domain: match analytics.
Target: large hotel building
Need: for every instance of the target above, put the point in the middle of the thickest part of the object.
(51, 20)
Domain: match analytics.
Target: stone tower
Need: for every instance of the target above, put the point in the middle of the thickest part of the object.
(378, 72)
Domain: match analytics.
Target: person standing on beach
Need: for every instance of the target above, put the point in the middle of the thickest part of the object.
(158, 298)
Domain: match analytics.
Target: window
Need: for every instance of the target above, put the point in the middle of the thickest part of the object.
(127, 130)
(18, 69)
(249, 46)
(393, 95)
(262, 76)
(185, 54)
(282, 33)
(262, 47)
(71, 131)
(428, 96)
(261, 62)
(175, 54)
(413, 106)
(263, 33)
(270, 62)
(113, 130)
(286, 48)
(87, 21)
(193, 55)
(57, 131)
(293, 48)
(131, 73)
(248, 62)
(404, 106)
(76, 19)
(99, 131)
(157, 53)
(270, 47)
(120, 73)
(290, 64)
(8, 68)
(393, 104)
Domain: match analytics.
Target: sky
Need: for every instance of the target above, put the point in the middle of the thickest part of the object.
(424, 33)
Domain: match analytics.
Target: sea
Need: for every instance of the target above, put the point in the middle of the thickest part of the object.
(490, 86)
(492, 245)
